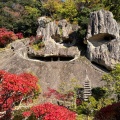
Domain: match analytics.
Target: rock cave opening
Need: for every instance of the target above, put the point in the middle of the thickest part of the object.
(101, 38)
(100, 67)
(67, 42)
(52, 58)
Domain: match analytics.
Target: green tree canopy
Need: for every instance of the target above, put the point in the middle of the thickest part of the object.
(20, 16)
(113, 81)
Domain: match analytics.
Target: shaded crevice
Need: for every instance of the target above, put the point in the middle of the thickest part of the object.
(100, 67)
(66, 40)
(101, 38)
(52, 58)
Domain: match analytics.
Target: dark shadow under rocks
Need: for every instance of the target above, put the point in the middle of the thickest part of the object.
(52, 58)
(100, 67)
(102, 38)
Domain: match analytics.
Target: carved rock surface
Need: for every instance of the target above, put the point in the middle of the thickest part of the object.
(52, 63)
(103, 39)
(53, 49)
(51, 74)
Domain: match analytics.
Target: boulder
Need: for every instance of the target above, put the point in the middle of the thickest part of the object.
(103, 39)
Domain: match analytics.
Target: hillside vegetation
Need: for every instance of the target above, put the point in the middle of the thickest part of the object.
(21, 16)
(21, 97)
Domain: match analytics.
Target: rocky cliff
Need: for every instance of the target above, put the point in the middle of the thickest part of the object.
(103, 39)
(59, 38)
(58, 62)
(51, 73)
(59, 31)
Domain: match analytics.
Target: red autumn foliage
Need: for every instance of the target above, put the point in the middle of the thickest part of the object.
(27, 113)
(78, 101)
(58, 95)
(13, 89)
(8, 36)
(49, 111)
(19, 35)
(110, 112)
(35, 39)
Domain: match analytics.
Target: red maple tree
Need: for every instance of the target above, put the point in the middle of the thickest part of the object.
(58, 95)
(7, 36)
(49, 111)
(15, 89)
(110, 112)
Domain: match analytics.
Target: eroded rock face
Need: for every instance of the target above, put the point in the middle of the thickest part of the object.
(51, 74)
(103, 39)
(53, 49)
(58, 31)
(102, 22)
(57, 62)
(59, 38)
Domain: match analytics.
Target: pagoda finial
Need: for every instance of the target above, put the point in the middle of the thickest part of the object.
(86, 76)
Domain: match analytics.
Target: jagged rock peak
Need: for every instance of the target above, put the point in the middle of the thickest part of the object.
(58, 31)
(103, 39)
(102, 22)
